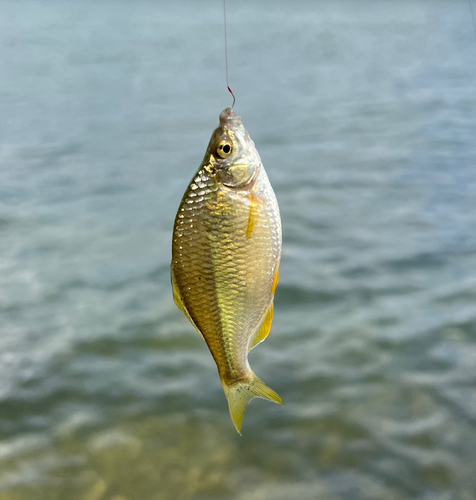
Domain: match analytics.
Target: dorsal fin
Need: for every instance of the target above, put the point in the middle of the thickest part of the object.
(179, 301)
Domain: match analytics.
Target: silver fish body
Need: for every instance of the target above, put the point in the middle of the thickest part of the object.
(225, 256)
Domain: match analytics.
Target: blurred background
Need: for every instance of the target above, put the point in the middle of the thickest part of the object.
(364, 113)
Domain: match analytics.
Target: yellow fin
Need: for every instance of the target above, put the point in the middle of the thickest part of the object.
(241, 393)
(251, 217)
(275, 280)
(263, 331)
(179, 302)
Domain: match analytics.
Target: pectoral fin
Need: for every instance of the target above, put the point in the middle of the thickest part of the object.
(179, 301)
(263, 331)
(251, 218)
(253, 214)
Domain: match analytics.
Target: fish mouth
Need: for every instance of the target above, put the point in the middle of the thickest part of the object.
(231, 124)
(228, 119)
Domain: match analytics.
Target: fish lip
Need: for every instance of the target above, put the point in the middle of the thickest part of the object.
(231, 125)
(228, 119)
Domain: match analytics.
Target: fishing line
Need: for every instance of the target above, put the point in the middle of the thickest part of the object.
(226, 56)
(472, 15)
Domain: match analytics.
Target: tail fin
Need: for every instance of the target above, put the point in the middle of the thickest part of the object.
(241, 393)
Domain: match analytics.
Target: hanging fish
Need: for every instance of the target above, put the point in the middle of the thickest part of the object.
(225, 257)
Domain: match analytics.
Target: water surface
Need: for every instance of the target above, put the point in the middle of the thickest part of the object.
(364, 114)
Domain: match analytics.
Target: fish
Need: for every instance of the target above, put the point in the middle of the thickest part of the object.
(226, 250)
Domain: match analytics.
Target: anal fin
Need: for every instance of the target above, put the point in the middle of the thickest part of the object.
(263, 331)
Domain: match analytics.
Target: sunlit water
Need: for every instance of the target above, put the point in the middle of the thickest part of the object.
(364, 114)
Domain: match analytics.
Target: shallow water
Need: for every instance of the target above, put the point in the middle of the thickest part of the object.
(364, 114)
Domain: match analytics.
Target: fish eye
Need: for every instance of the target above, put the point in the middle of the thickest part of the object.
(224, 149)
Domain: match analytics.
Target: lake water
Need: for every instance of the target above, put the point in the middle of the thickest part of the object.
(364, 114)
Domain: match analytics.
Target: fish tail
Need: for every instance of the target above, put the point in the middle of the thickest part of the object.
(239, 394)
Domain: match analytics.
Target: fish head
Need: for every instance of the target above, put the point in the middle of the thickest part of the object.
(232, 153)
